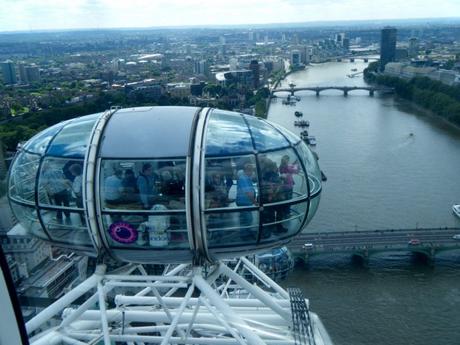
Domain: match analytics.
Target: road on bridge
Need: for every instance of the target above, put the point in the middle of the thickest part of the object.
(350, 241)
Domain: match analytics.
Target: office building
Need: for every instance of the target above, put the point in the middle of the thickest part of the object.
(32, 74)
(387, 46)
(201, 67)
(295, 57)
(413, 47)
(255, 69)
(9, 72)
(22, 73)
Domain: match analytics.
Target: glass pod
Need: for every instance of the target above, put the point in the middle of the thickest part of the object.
(165, 184)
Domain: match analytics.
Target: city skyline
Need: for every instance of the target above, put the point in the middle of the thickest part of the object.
(27, 15)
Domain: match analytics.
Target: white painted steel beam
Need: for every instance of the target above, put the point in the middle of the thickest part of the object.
(105, 325)
(257, 292)
(261, 275)
(233, 318)
(160, 316)
(181, 309)
(65, 300)
(175, 301)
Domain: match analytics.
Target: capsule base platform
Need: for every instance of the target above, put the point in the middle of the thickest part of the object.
(184, 305)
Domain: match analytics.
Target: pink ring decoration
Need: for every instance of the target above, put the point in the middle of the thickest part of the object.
(123, 232)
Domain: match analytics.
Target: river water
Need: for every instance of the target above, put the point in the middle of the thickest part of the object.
(388, 166)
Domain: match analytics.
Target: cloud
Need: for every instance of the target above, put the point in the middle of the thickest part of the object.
(64, 14)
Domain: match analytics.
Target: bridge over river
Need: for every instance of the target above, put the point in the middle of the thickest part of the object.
(426, 242)
(344, 89)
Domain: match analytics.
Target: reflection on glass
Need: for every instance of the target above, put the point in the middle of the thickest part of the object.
(39, 142)
(265, 136)
(292, 175)
(219, 181)
(60, 184)
(232, 228)
(143, 184)
(28, 218)
(72, 140)
(313, 208)
(72, 229)
(282, 221)
(311, 164)
(22, 177)
(227, 134)
(294, 139)
(246, 185)
(281, 177)
(162, 231)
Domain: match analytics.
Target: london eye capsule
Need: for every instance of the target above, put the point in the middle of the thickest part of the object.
(165, 185)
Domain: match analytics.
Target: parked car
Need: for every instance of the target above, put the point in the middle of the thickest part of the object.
(456, 237)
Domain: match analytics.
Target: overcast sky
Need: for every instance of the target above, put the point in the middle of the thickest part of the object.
(72, 14)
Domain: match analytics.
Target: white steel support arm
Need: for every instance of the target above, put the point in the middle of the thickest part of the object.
(234, 319)
(65, 300)
(257, 292)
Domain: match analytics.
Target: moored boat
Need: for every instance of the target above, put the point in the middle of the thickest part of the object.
(302, 123)
(456, 209)
(311, 141)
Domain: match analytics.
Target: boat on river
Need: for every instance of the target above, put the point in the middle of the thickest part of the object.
(311, 141)
(456, 209)
(288, 102)
(302, 123)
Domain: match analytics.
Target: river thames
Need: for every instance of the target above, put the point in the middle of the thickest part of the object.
(388, 166)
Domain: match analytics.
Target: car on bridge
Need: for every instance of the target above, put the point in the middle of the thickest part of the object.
(414, 242)
(307, 246)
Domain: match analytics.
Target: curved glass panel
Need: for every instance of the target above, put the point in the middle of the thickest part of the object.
(72, 140)
(155, 230)
(232, 228)
(311, 164)
(148, 132)
(265, 136)
(227, 134)
(294, 139)
(220, 182)
(39, 142)
(275, 263)
(60, 183)
(231, 182)
(28, 218)
(22, 177)
(247, 191)
(314, 203)
(143, 184)
(66, 226)
(281, 177)
(282, 221)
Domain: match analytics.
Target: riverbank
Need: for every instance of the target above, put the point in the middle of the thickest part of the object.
(441, 100)
(412, 107)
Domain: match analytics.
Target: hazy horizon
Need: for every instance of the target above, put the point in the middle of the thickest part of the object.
(55, 15)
